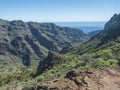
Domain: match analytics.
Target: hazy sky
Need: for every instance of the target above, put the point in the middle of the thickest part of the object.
(59, 10)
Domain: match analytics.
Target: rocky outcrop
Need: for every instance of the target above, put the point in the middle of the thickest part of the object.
(89, 79)
(58, 84)
(96, 79)
(52, 59)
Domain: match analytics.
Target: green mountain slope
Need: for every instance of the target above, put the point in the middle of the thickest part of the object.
(29, 42)
(102, 50)
(108, 38)
(94, 56)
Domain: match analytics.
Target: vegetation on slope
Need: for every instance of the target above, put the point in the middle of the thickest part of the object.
(102, 50)
(29, 42)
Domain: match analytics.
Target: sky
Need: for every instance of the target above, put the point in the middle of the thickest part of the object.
(59, 10)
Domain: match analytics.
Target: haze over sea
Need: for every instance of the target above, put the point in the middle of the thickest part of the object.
(85, 26)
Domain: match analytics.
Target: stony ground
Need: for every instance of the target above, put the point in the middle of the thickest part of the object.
(89, 79)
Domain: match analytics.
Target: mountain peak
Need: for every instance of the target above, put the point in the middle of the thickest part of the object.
(16, 22)
(113, 23)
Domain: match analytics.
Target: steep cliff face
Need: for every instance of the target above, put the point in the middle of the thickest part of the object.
(29, 42)
(113, 23)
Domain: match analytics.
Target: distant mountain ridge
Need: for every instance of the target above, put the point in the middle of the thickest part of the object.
(92, 33)
(29, 42)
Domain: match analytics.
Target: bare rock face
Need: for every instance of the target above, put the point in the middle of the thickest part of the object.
(91, 79)
(97, 79)
(49, 61)
(58, 84)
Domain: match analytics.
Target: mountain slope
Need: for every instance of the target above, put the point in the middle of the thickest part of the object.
(109, 37)
(101, 50)
(29, 42)
(99, 53)
(93, 33)
(93, 65)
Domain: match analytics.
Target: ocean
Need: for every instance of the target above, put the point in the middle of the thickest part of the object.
(85, 26)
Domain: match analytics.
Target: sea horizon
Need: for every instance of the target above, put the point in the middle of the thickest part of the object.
(85, 26)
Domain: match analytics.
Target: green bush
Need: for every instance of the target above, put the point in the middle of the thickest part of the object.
(106, 63)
